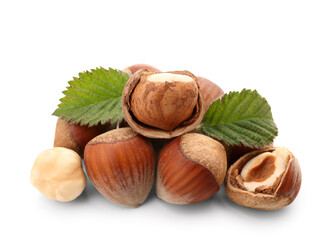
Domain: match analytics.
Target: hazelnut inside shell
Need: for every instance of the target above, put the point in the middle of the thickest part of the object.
(266, 179)
(156, 104)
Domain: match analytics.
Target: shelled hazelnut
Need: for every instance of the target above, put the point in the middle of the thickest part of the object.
(267, 179)
(58, 174)
(162, 105)
(190, 169)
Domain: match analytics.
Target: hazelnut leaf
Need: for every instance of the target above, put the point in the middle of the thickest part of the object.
(93, 98)
(240, 118)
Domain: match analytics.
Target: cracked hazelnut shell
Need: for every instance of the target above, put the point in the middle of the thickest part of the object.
(276, 192)
(190, 169)
(157, 106)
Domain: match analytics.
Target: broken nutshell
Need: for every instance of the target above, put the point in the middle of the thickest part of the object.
(162, 105)
(267, 179)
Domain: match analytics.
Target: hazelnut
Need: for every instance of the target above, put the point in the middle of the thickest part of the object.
(57, 173)
(134, 68)
(162, 105)
(121, 165)
(190, 169)
(267, 179)
(74, 136)
(210, 91)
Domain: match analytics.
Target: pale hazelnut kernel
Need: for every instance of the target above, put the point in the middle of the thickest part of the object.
(265, 169)
(57, 173)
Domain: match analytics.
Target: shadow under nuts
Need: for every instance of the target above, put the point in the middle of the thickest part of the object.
(190, 169)
(267, 179)
(121, 165)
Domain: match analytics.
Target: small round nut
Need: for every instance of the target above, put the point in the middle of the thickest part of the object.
(57, 173)
(190, 169)
(266, 179)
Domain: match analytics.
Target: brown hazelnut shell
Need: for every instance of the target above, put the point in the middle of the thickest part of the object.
(190, 169)
(284, 194)
(121, 165)
(152, 132)
(74, 136)
(136, 67)
(210, 91)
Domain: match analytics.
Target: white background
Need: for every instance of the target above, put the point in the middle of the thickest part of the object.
(284, 49)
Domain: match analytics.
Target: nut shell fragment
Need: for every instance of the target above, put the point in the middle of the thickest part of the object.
(282, 193)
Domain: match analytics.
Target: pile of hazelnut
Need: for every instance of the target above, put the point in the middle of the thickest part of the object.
(159, 141)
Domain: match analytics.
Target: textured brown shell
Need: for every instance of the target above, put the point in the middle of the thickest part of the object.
(76, 137)
(285, 192)
(186, 173)
(121, 165)
(152, 132)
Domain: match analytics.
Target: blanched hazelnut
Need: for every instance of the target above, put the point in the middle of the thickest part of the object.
(57, 173)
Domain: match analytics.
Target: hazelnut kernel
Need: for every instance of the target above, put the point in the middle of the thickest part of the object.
(57, 173)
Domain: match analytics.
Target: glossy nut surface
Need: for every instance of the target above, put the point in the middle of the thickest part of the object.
(121, 165)
(191, 169)
(210, 91)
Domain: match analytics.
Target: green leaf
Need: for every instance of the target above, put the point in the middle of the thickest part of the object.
(240, 118)
(93, 98)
